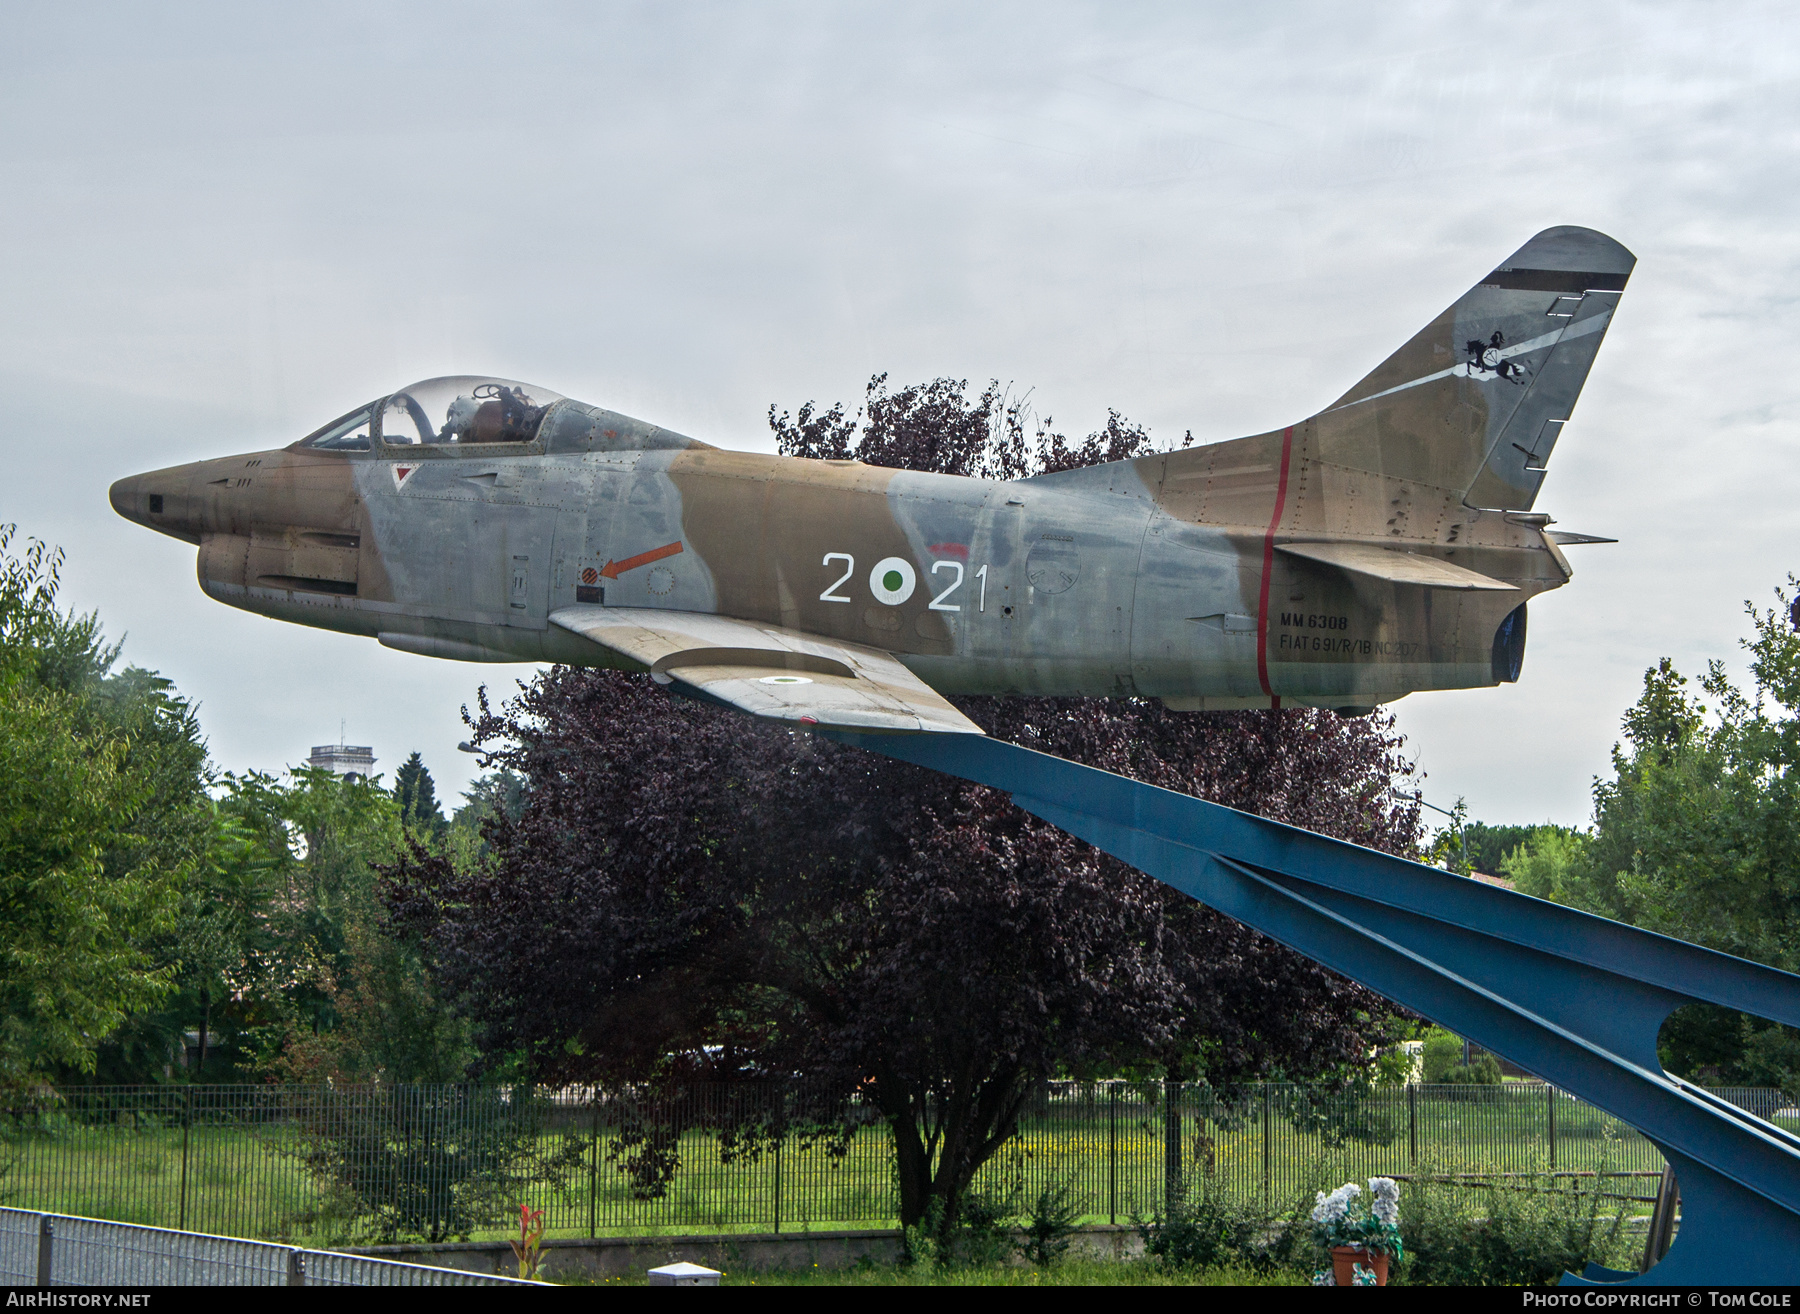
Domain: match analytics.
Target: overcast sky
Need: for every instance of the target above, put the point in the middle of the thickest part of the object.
(223, 225)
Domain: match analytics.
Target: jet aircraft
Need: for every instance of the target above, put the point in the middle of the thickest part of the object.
(1385, 545)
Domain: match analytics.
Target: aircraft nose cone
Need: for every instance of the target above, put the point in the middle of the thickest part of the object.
(163, 500)
(129, 499)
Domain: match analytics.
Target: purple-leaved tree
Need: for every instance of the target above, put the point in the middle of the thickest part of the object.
(689, 892)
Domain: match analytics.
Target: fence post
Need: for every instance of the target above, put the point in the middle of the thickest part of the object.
(594, 1169)
(778, 1144)
(46, 1245)
(1112, 1152)
(1550, 1105)
(1268, 1148)
(187, 1121)
(1171, 1146)
(296, 1275)
(1412, 1123)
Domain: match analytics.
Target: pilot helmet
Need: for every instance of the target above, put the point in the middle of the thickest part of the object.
(460, 419)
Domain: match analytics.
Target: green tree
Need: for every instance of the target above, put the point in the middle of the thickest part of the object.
(498, 793)
(308, 843)
(100, 788)
(391, 1023)
(135, 907)
(1443, 1051)
(174, 830)
(416, 792)
(336, 993)
(1546, 864)
(1697, 835)
(1491, 846)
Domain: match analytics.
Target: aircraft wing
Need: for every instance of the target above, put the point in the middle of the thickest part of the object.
(1394, 566)
(768, 671)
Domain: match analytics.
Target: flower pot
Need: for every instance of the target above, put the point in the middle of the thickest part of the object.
(1345, 1258)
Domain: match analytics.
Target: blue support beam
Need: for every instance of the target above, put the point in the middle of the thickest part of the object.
(1574, 998)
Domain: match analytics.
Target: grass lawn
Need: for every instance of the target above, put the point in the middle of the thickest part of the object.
(244, 1179)
(1071, 1273)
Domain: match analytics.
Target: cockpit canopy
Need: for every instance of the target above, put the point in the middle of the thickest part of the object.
(499, 415)
(465, 409)
(462, 408)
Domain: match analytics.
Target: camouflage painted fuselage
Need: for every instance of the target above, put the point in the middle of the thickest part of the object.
(1376, 549)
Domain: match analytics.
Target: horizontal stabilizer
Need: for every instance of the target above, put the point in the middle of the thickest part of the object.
(1393, 566)
(1563, 538)
(768, 671)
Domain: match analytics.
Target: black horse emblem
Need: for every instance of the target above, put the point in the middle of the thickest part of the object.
(1485, 358)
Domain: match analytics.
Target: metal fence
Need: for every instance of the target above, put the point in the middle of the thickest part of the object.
(337, 1166)
(55, 1250)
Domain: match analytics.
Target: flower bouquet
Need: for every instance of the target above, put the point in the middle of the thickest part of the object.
(1361, 1239)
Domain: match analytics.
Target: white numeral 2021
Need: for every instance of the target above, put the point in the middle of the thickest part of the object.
(939, 603)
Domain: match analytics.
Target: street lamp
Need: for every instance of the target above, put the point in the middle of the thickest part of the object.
(1462, 842)
(1462, 821)
(1462, 829)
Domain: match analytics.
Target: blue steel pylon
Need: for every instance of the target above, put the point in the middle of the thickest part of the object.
(1574, 998)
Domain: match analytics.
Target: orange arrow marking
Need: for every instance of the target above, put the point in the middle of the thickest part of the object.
(613, 569)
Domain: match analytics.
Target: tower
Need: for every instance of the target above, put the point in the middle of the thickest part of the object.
(344, 760)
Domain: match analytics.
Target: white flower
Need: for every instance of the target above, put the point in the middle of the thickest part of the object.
(1335, 1207)
(1325, 1208)
(1387, 1200)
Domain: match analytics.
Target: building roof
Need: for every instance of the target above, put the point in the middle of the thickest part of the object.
(344, 759)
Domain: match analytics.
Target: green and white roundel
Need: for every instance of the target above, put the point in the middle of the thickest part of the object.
(892, 581)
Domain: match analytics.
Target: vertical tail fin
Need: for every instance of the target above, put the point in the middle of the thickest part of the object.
(1476, 400)
(1466, 412)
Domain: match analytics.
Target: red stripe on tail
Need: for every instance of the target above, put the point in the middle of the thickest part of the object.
(1268, 570)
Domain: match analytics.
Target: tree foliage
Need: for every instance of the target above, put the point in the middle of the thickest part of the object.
(100, 794)
(434, 1161)
(416, 793)
(277, 955)
(1525, 1232)
(1697, 835)
(137, 909)
(489, 794)
(689, 892)
(1489, 847)
(318, 985)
